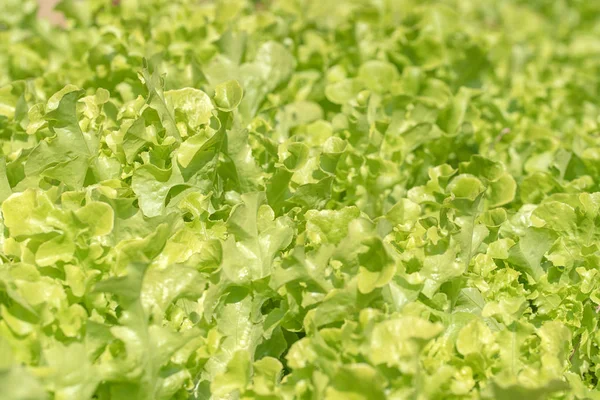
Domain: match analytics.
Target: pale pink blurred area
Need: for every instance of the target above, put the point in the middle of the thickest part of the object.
(46, 11)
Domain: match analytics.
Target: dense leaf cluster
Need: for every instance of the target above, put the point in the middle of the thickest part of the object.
(300, 199)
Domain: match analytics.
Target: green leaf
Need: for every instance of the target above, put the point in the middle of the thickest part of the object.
(527, 254)
(329, 226)
(157, 101)
(27, 213)
(17, 383)
(152, 185)
(378, 75)
(228, 95)
(357, 381)
(194, 105)
(235, 377)
(259, 237)
(397, 341)
(61, 248)
(473, 338)
(5, 189)
(98, 216)
(376, 266)
(312, 195)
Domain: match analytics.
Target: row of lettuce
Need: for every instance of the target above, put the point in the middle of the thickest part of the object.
(307, 199)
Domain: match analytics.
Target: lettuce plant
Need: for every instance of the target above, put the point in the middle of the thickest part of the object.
(300, 199)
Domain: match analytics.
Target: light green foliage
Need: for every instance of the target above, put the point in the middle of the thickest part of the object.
(300, 199)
